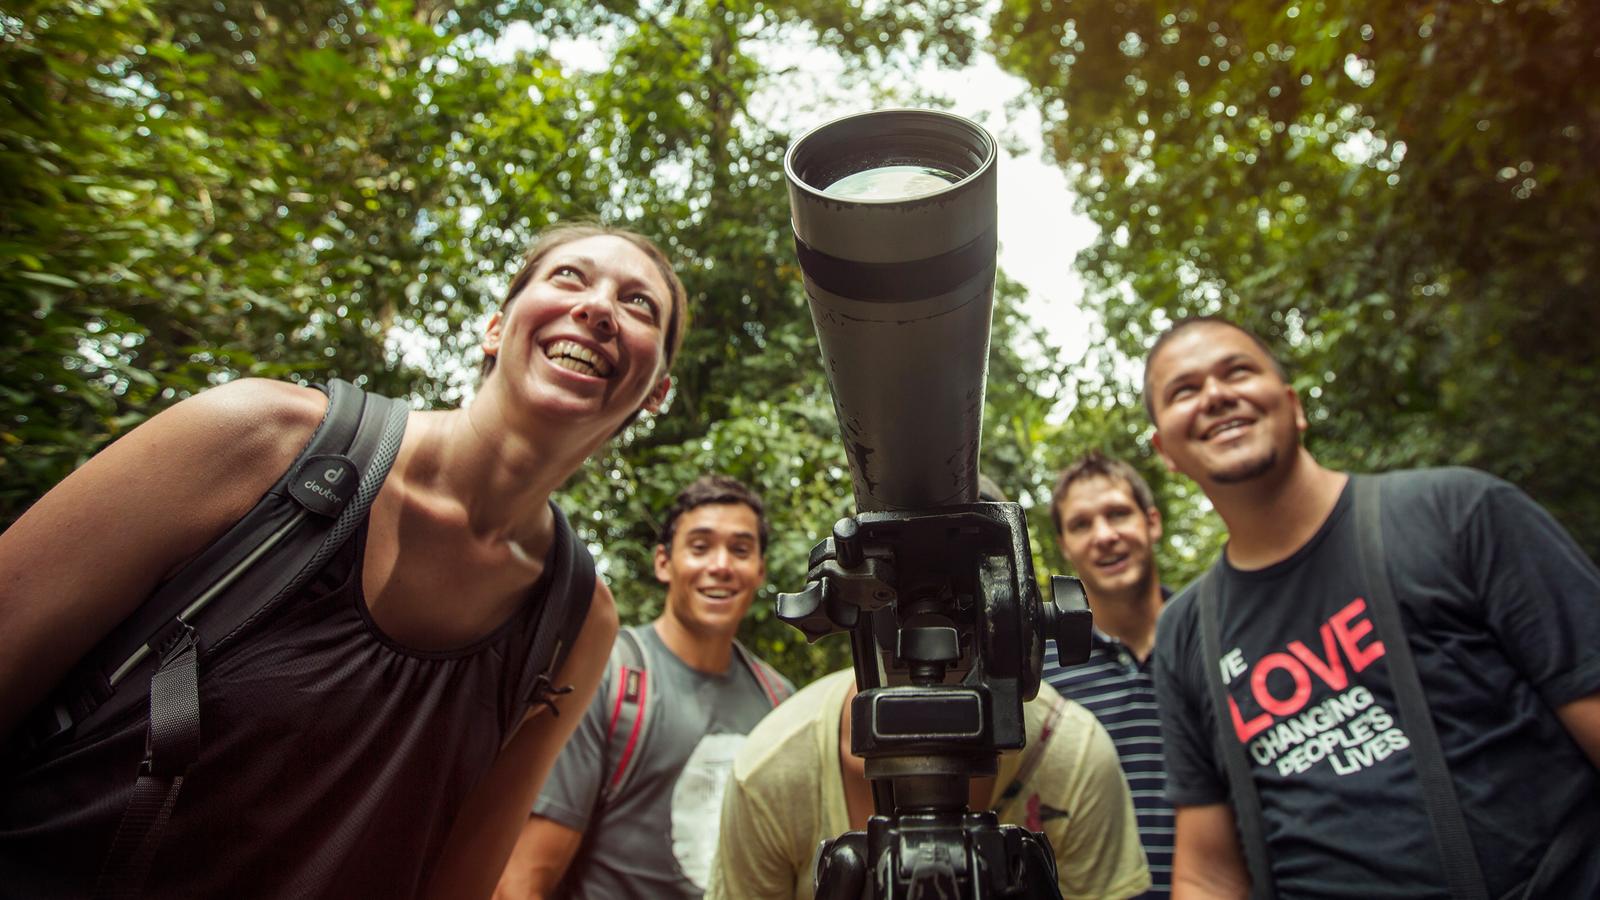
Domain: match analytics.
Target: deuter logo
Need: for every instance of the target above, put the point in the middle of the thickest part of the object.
(324, 483)
(321, 491)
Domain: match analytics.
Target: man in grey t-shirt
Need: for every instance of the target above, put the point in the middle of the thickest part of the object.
(653, 833)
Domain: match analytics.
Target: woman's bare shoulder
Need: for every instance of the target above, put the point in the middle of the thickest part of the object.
(251, 424)
(255, 409)
(206, 459)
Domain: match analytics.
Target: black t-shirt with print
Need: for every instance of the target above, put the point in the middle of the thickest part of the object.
(1502, 612)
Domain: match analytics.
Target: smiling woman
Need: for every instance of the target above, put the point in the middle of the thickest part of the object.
(559, 235)
(406, 676)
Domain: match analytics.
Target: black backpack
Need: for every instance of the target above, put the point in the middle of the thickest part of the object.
(211, 603)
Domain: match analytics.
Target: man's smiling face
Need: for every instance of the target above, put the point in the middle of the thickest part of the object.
(1223, 413)
(714, 568)
(1108, 538)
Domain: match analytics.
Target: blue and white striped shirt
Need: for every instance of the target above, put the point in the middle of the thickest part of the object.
(1119, 691)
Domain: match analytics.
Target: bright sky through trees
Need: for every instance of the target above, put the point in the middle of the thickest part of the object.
(1039, 231)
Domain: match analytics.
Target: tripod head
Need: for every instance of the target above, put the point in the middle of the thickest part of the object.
(947, 636)
(944, 602)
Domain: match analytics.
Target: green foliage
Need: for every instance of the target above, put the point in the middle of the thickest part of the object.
(199, 191)
(1026, 449)
(1402, 196)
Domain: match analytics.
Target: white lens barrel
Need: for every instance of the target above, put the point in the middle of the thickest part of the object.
(901, 292)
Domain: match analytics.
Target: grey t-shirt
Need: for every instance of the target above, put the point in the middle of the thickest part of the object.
(658, 837)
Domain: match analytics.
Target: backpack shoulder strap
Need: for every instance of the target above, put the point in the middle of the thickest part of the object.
(560, 619)
(630, 718)
(772, 684)
(1438, 791)
(1241, 786)
(1033, 754)
(307, 515)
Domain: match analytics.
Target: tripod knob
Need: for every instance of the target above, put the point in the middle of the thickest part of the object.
(1068, 620)
(928, 651)
(847, 542)
(807, 610)
(840, 868)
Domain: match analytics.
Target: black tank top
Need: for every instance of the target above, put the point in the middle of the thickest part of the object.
(333, 760)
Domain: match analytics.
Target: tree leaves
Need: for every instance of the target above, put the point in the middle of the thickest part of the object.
(199, 191)
(1401, 197)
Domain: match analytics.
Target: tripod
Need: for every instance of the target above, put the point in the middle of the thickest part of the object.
(943, 603)
(930, 846)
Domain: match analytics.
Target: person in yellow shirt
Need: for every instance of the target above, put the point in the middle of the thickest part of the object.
(795, 782)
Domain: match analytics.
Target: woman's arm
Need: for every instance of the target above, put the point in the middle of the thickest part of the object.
(94, 547)
(492, 817)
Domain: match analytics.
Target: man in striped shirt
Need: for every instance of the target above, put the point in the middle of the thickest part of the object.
(1108, 525)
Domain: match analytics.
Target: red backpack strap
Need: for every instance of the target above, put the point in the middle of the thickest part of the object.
(629, 720)
(772, 684)
(1033, 754)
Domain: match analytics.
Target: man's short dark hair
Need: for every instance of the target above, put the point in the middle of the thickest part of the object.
(1095, 464)
(1188, 322)
(709, 489)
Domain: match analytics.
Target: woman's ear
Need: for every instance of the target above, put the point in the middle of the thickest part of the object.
(658, 396)
(492, 335)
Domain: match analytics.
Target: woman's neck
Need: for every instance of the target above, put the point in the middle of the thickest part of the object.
(500, 472)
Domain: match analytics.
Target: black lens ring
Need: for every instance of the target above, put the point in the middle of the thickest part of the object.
(898, 282)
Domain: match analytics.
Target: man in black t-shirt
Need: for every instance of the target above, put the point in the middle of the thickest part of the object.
(1501, 611)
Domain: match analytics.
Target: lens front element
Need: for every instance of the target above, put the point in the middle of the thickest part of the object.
(891, 183)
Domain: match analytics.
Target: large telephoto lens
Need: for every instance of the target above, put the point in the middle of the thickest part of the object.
(894, 222)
